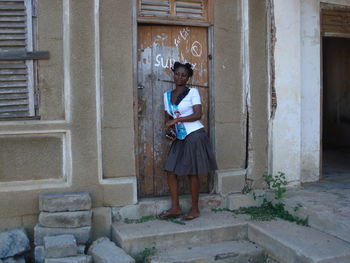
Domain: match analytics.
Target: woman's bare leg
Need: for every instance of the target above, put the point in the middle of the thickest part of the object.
(174, 193)
(194, 186)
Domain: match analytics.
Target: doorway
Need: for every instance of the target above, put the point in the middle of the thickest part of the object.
(336, 107)
(159, 46)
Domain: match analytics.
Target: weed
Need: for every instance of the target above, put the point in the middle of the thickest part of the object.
(176, 221)
(143, 256)
(140, 220)
(277, 183)
(297, 207)
(269, 210)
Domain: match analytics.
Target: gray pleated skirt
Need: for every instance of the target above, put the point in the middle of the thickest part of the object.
(191, 156)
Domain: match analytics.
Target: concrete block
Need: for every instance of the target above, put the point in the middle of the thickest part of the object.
(236, 201)
(229, 181)
(13, 242)
(60, 202)
(105, 251)
(77, 259)
(154, 206)
(66, 219)
(143, 208)
(60, 246)
(289, 242)
(19, 259)
(39, 254)
(82, 234)
(101, 222)
(81, 249)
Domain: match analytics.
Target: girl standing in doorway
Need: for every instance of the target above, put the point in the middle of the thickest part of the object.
(190, 153)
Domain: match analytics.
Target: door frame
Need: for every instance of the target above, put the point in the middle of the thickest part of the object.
(324, 34)
(211, 80)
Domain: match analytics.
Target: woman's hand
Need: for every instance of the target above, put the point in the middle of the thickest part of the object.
(170, 123)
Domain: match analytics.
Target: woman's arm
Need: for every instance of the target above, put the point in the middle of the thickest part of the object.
(196, 115)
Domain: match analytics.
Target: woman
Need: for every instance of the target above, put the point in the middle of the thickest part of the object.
(190, 153)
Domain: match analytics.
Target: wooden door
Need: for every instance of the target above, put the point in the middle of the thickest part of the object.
(158, 48)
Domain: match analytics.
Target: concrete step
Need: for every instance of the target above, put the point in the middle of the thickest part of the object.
(224, 252)
(326, 205)
(290, 243)
(154, 206)
(210, 227)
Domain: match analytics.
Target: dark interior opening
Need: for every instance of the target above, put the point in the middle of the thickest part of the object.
(336, 107)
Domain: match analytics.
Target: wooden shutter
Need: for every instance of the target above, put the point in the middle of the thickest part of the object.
(190, 9)
(155, 8)
(180, 10)
(335, 20)
(16, 75)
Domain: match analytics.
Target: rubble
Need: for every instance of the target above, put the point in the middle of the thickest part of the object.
(61, 202)
(105, 251)
(60, 246)
(13, 242)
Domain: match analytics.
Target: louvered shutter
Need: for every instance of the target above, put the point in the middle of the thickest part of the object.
(175, 9)
(190, 9)
(16, 76)
(155, 8)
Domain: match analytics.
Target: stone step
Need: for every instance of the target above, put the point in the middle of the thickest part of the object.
(224, 252)
(328, 211)
(290, 243)
(154, 206)
(210, 227)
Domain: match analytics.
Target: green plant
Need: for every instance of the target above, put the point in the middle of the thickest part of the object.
(144, 255)
(269, 210)
(140, 220)
(297, 207)
(277, 183)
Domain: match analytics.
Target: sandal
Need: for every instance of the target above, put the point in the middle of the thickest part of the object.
(189, 217)
(168, 214)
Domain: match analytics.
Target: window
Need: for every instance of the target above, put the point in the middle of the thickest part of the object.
(17, 69)
(177, 10)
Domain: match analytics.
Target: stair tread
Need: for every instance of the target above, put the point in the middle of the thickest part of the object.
(294, 243)
(209, 220)
(209, 227)
(231, 250)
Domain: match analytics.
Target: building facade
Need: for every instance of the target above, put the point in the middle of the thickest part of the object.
(81, 93)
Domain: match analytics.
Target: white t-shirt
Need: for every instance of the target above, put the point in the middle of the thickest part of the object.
(185, 108)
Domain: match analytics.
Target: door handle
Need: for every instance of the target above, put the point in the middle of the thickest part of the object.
(140, 86)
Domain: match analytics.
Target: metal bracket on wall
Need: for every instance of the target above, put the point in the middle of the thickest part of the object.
(24, 55)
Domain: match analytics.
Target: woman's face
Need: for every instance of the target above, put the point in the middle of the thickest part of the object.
(181, 76)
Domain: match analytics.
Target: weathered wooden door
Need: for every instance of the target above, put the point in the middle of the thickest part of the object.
(158, 48)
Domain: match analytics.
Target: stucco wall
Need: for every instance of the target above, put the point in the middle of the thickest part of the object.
(50, 38)
(230, 126)
(259, 92)
(296, 129)
(286, 137)
(117, 88)
(63, 149)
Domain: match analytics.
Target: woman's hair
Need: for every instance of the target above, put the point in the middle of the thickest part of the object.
(187, 66)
